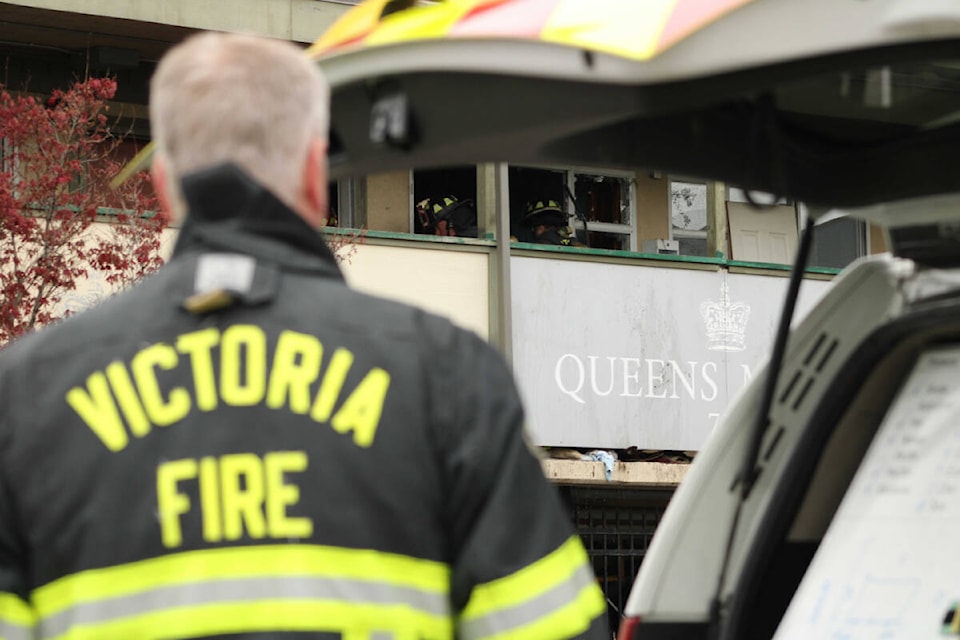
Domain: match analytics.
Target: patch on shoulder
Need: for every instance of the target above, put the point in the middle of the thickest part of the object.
(220, 280)
(224, 271)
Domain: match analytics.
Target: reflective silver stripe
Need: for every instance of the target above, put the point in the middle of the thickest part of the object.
(10, 631)
(239, 590)
(371, 635)
(529, 610)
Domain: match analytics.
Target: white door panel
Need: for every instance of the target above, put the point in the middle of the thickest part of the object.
(766, 234)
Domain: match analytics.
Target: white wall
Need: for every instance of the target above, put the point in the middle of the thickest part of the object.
(613, 356)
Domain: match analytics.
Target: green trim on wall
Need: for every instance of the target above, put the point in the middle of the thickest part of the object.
(773, 266)
(577, 251)
(113, 211)
(614, 253)
(417, 237)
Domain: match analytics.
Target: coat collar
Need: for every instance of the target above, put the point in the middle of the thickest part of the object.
(229, 211)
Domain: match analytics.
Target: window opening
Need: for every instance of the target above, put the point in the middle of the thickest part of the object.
(604, 201)
(838, 242)
(444, 201)
(333, 205)
(689, 217)
(527, 187)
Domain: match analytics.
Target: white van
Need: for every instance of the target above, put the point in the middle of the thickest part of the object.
(827, 502)
(850, 527)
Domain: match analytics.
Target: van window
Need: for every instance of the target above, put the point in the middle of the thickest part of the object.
(880, 571)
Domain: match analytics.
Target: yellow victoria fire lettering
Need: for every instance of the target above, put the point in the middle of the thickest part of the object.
(332, 384)
(97, 408)
(241, 494)
(198, 345)
(296, 365)
(162, 412)
(243, 368)
(127, 396)
(236, 368)
(360, 413)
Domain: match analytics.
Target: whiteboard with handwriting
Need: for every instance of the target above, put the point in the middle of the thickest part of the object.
(888, 567)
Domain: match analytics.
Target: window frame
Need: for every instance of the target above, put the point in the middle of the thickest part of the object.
(570, 174)
(698, 234)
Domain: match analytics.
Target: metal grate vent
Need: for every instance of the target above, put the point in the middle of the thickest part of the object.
(795, 390)
(616, 526)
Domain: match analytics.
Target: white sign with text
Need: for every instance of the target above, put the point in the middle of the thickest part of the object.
(614, 356)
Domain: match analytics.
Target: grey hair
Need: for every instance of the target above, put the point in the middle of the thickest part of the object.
(256, 102)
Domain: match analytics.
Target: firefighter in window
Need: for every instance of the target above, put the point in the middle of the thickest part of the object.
(447, 216)
(548, 223)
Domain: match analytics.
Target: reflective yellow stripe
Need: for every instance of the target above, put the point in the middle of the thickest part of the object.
(633, 33)
(240, 562)
(15, 611)
(529, 582)
(16, 618)
(429, 21)
(356, 23)
(323, 593)
(555, 597)
(565, 622)
(267, 615)
(635, 30)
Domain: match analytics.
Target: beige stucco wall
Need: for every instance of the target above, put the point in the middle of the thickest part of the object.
(878, 239)
(297, 20)
(94, 288)
(388, 202)
(450, 283)
(653, 207)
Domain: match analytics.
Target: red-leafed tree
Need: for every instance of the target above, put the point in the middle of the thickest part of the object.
(56, 161)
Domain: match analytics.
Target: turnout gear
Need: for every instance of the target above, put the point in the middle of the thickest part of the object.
(448, 216)
(545, 212)
(241, 446)
(549, 215)
(556, 236)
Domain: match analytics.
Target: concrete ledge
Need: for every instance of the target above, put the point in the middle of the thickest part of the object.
(297, 20)
(635, 474)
